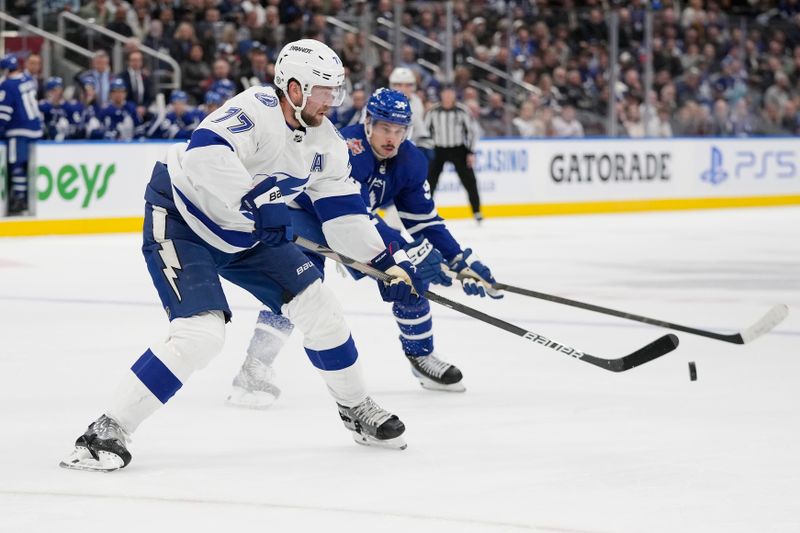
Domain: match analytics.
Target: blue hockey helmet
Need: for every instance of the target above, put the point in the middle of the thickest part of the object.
(213, 98)
(9, 62)
(53, 82)
(117, 85)
(178, 96)
(224, 88)
(88, 79)
(390, 106)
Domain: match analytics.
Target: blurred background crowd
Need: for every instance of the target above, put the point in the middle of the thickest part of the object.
(529, 68)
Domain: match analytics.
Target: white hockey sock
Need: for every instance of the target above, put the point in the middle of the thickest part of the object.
(346, 385)
(132, 403)
(163, 369)
(327, 342)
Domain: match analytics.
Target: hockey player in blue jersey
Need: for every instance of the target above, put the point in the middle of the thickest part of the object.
(224, 87)
(119, 118)
(389, 170)
(90, 126)
(62, 119)
(20, 126)
(212, 102)
(218, 208)
(181, 120)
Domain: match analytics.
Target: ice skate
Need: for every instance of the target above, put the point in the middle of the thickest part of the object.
(254, 386)
(18, 206)
(435, 374)
(100, 449)
(373, 426)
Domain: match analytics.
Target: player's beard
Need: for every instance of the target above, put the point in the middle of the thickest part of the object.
(313, 120)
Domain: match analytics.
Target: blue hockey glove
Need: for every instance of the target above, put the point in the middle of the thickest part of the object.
(264, 205)
(428, 261)
(476, 278)
(407, 286)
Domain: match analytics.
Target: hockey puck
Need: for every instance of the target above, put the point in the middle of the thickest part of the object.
(692, 371)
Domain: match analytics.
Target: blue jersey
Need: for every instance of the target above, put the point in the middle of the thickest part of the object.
(62, 120)
(19, 108)
(119, 123)
(402, 181)
(181, 127)
(91, 127)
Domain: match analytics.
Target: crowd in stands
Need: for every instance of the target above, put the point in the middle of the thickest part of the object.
(720, 67)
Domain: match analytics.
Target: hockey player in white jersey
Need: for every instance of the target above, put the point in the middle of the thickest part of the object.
(404, 80)
(217, 208)
(390, 170)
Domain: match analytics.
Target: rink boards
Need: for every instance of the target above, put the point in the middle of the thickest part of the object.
(97, 187)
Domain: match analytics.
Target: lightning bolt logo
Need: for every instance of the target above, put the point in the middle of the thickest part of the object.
(171, 264)
(167, 252)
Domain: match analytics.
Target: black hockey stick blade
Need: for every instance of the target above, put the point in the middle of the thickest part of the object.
(774, 316)
(652, 351)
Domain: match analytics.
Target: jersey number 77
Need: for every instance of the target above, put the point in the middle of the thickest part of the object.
(245, 123)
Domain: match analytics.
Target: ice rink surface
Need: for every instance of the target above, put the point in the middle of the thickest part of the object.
(539, 442)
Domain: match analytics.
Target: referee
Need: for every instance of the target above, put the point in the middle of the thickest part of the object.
(454, 133)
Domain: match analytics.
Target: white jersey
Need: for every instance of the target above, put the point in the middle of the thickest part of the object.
(419, 133)
(249, 140)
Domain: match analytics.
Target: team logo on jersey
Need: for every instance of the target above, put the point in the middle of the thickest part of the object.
(355, 145)
(318, 164)
(377, 190)
(267, 100)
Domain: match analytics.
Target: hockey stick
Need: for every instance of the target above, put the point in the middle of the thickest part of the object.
(773, 317)
(654, 350)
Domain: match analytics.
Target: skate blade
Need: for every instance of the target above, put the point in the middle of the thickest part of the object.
(432, 385)
(397, 443)
(81, 459)
(249, 400)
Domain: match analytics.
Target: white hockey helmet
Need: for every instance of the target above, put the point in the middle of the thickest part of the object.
(317, 69)
(403, 75)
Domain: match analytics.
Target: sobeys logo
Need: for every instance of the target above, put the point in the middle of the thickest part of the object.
(70, 182)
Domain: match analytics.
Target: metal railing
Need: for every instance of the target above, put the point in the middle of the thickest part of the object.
(503, 75)
(120, 41)
(333, 21)
(50, 39)
(411, 33)
(471, 60)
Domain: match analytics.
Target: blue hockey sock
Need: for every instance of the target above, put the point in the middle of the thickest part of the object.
(271, 333)
(416, 327)
(18, 173)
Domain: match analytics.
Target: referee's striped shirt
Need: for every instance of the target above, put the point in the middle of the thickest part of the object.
(452, 127)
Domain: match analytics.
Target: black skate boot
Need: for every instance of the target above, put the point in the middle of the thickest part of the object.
(435, 374)
(373, 426)
(100, 449)
(17, 206)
